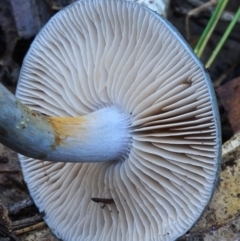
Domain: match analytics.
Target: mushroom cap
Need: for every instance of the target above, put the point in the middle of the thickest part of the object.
(95, 54)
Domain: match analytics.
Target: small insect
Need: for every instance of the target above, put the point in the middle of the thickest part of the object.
(207, 70)
(103, 200)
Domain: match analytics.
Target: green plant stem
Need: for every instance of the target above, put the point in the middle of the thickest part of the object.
(223, 39)
(210, 27)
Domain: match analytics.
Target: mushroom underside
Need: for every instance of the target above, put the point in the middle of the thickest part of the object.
(100, 54)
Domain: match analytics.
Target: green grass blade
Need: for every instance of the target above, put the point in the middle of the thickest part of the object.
(223, 39)
(210, 27)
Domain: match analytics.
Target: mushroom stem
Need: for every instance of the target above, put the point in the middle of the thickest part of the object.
(97, 137)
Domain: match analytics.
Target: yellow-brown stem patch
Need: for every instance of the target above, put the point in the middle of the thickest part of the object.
(65, 127)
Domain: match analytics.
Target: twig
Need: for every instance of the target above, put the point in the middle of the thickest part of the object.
(195, 11)
(30, 228)
(10, 171)
(26, 222)
(182, 10)
(16, 207)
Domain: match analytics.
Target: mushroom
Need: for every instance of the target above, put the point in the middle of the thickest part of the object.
(124, 96)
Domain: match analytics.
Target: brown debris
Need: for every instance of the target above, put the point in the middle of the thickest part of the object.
(229, 95)
(5, 224)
